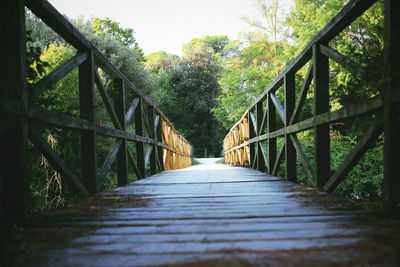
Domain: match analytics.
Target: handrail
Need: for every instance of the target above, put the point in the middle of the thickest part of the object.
(158, 145)
(243, 145)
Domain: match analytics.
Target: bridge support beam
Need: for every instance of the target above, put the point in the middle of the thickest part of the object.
(321, 105)
(290, 152)
(88, 137)
(13, 126)
(120, 109)
(139, 131)
(271, 118)
(150, 118)
(252, 134)
(392, 109)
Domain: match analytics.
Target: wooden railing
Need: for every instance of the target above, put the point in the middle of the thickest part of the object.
(244, 144)
(20, 117)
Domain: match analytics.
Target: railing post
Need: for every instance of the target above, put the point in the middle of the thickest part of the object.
(290, 152)
(392, 110)
(150, 118)
(271, 118)
(159, 139)
(260, 156)
(321, 105)
(139, 131)
(122, 156)
(88, 137)
(252, 134)
(14, 130)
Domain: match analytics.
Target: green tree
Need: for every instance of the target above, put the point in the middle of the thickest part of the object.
(246, 75)
(112, 28)
(188, 88)
(161, 61)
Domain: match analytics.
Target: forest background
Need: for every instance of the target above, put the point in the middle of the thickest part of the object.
(209, 88)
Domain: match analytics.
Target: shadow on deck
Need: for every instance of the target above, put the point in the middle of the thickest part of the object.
(208, 215)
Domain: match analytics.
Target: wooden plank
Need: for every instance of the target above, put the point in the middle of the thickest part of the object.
(367, 141)
(391, 110)
(60, 120)
(87, 110)
(279, 108)
(215, 211)
(106, 100)
(139, 131)
(110, 132)
(56, 162)
(119, 106)
(303, 95)
(372, 105)
(321, 105)
(303, 157)
(56, 75)
(290, 152)
(14, 136)
(107, 164)
(349, 64)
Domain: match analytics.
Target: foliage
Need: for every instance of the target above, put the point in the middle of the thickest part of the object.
(362, 41)
(124, 36)
(246, 75)
(64, 96)
(161, 61)
(365, 181)
(35, 67)
(190, 86)
(195, 90)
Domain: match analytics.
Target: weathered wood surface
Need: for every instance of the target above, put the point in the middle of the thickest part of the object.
(208, 215)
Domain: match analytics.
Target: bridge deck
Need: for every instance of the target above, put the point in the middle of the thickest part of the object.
(209, 215)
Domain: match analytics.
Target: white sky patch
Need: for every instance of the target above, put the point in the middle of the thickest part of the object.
(167, 24)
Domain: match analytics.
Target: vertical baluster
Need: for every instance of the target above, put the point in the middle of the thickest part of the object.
(159, 139)
(14, 136)
(150, 119)
(119, 106)
(290, 152)
(139, 131)
(271, 119)
(321, 105)
(392, 110)
(88, 137)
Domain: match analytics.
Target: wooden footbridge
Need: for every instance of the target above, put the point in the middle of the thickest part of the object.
(208, 214)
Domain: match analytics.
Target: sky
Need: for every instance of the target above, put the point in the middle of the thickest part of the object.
(167, 24)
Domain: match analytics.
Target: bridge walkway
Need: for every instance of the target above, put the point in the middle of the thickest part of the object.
(209, 215)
